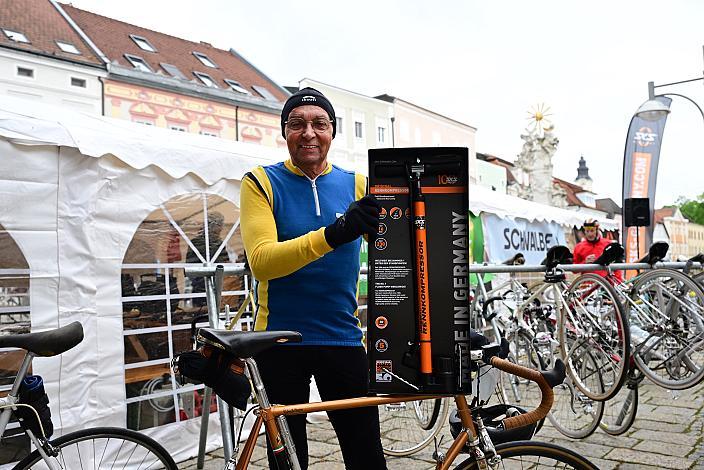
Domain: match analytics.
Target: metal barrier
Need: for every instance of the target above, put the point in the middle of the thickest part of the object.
(482, 268)
(577, 268)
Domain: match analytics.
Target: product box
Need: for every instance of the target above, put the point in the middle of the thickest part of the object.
(418, 282)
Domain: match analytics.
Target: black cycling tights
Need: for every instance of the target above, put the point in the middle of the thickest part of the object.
(340, 372)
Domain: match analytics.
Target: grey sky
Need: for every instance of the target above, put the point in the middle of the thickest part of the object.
(486, 63)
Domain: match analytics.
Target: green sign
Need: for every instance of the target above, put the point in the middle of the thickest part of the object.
(476, 246)
(364, 263)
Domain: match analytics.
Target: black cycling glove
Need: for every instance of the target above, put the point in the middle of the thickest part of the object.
(361, 217)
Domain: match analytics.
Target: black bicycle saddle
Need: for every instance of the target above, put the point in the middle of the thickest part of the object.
(612, 253)
(657, 252)
(558, 254)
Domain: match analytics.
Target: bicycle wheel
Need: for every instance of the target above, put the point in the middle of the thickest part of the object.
(593, 319)
(534, 455)
(522, 351)
(98, 448)
(620, 412)
(408, 427)
(669, 308)
(699, 278)
(574, 414)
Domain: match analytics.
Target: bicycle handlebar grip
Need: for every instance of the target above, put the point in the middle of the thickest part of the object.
(547, 396)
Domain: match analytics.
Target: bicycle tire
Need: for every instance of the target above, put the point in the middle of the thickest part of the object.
(674, 305)
(522, 351)
(699, 278)
(620, 412)
(574, 414)
(533, 454)
(93, 447)
(404, 431)
(477, 321)
(595, 320)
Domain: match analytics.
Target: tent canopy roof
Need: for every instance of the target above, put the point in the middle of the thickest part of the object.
(484, 200)
(25, 122)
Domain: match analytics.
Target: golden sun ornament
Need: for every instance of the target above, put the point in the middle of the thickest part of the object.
(539, 119)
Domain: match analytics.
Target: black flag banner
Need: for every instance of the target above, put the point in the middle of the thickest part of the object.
(640, 171)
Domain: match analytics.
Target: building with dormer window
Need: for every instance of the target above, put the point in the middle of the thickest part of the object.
(161, 80)
(44, 58)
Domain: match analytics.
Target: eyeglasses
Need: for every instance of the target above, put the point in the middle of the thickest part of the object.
(320, 125)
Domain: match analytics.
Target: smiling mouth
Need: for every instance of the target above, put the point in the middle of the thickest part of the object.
(309, 146)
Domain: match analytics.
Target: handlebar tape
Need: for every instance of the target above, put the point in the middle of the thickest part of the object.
(545, 380)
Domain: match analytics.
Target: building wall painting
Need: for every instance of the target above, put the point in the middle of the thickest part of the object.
(183, 113)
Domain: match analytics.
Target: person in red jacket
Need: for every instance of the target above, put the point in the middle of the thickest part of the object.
(591, 247)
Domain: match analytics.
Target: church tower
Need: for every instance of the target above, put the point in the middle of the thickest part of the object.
(583, 178)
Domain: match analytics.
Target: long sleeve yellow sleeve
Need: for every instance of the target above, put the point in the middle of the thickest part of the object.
(269, 258)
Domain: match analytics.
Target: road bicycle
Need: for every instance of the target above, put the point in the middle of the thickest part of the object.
(666, 320)
(657, 298)
(577, 317)
(96, 448)
(473, 436)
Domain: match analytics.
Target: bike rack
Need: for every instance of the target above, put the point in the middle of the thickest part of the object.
(578, 268)
(214, 276)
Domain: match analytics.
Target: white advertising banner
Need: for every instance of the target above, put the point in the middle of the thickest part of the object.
(504, 237)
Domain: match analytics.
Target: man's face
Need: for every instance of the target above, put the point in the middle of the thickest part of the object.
(306, 147)
(590, 233)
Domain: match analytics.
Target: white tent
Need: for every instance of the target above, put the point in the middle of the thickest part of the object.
(512, 225)
(502, 205)
(74, 189)
(80, 196)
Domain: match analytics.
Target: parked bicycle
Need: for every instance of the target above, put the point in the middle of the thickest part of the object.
(666, 320)
(96, 448)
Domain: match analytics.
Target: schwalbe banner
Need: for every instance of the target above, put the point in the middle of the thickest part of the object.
(510, 236)
(640, 171)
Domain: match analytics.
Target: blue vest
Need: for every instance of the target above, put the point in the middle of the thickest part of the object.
(320, 299)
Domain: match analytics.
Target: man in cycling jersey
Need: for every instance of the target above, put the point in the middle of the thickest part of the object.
(592, 246)
(301, 223)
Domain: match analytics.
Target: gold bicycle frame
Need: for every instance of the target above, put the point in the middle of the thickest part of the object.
(267, 415)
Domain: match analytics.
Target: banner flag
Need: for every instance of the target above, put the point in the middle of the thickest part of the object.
(640, 171)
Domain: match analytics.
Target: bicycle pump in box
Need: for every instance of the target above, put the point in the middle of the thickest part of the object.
(418, 306)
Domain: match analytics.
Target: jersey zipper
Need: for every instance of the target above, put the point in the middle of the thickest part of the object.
(315, 194)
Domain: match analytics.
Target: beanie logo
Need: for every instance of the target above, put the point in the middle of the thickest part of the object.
(308, 98)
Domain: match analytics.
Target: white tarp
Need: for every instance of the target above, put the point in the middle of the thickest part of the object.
(502, 205)
(511, 236)
(73, 190)
(137, 145)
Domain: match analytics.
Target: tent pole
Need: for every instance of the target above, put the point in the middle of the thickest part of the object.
(213, 292)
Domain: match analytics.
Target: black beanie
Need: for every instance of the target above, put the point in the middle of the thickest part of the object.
(308, 96)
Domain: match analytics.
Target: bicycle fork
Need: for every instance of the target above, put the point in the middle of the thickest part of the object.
(476, 440)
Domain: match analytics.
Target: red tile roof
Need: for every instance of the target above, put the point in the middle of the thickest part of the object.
(571, 190)
(43, 25)
(494, 160)
(660, 214)
(112, 37)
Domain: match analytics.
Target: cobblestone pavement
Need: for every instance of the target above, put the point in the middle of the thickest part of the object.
(667, 434)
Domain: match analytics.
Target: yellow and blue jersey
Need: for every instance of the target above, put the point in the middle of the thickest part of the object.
(303, 284)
